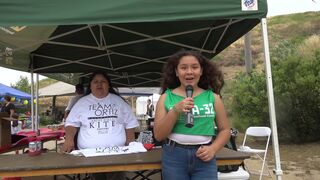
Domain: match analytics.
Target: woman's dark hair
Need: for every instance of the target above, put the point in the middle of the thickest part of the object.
(211, 77)
(8, 98)
(112, 89)
(79, 88)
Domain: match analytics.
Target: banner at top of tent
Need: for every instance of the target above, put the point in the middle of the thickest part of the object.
(62, 12)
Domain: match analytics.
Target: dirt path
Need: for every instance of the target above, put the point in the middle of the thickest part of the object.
(298, 161)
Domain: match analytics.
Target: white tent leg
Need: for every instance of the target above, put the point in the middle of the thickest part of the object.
(272, 113)
(31, 103)
(37, 105)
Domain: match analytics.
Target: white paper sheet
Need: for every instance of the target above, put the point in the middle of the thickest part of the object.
(134, 147)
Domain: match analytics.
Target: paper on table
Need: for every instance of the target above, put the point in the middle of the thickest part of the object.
(134, 147)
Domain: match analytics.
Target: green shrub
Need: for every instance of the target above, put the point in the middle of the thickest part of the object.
(46, 120)
(249, 103)
(297, 97)
(296, 83)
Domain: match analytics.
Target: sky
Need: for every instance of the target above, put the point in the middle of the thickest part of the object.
(281, 7)
(275, 7)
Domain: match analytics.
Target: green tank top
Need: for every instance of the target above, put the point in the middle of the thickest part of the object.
(203, 111)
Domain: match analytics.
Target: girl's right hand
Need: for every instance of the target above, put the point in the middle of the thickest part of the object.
(185, 105)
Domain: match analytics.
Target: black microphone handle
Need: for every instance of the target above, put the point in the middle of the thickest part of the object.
(189, 119)
(189, 92)
(189, 115)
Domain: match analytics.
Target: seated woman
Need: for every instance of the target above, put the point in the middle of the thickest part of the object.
(103, 118)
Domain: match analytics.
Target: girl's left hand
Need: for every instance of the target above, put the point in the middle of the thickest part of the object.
(205, 153)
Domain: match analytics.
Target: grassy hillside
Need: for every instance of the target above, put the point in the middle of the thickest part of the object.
(293, 28)
(282, 31)
(45, 82)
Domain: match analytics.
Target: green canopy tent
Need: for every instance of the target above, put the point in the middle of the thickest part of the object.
(132, 53)
(131, 39)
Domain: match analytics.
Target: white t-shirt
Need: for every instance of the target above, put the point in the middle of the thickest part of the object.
(102, 122)
(72, 101)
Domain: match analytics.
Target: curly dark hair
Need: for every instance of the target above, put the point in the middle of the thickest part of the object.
(211, 78)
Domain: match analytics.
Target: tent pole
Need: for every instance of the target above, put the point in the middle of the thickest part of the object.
(37, 105)
(247, 52)
(31, 103)
(272, 113)
(132, 107)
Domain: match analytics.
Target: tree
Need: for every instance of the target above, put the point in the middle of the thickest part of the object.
(296, 77)
(22, 84)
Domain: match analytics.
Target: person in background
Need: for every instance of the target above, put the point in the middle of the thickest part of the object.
(150, 108)
(102, 119)
(16, 125)
(189, 153)
(79, 93)
(10, 108)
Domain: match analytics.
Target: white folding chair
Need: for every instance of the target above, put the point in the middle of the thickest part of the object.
(254, 133)
(240, 174)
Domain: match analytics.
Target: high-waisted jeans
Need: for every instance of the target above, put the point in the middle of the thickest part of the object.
(181, 163)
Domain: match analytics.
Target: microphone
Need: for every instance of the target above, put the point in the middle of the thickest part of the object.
(189, 115)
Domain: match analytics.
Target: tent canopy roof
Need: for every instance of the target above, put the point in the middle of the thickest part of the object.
(131, 40)
(6, 90)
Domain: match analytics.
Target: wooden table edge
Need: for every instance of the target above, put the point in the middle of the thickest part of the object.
(9, 119)
(222, 162)
(96, 169)
(81, 170)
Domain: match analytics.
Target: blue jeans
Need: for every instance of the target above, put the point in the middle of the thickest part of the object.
(182, 164)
